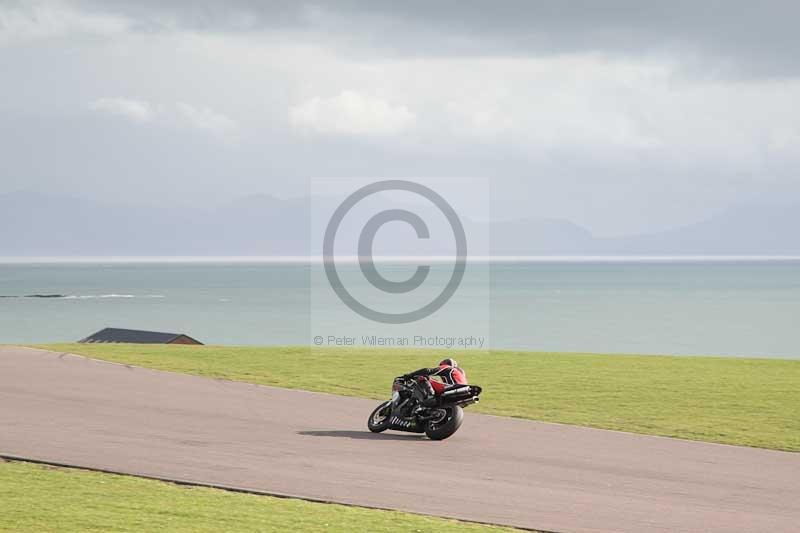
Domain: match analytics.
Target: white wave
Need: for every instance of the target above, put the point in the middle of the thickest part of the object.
(113, 295)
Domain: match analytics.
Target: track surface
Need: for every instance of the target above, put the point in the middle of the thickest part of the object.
(77, 411)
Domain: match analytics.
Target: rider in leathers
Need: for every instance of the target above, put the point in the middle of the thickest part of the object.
(427, 389)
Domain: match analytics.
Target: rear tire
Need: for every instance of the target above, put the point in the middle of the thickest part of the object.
(448, 426)
(380, 419)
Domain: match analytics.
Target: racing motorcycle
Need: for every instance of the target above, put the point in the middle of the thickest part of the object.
(404, 412)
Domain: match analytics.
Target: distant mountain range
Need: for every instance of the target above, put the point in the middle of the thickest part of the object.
(33, 224)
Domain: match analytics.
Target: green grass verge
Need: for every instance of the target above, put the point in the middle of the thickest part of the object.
(753, 402)
(37, 498)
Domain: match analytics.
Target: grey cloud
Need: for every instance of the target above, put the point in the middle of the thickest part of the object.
(719, 143)
(726, 38)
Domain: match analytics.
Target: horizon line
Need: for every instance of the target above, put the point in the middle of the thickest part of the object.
(313, 259)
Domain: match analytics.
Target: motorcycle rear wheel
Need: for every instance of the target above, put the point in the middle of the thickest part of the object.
(447, 426)
(380, 419)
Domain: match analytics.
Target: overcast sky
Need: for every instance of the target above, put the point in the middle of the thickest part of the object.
(623, 117)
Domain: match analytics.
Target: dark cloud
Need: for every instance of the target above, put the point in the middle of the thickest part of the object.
(740, 38)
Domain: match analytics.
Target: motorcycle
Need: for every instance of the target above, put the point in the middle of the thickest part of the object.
(405, 412)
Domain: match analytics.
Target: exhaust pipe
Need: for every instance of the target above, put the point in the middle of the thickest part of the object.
(472, 400)
(464, 391)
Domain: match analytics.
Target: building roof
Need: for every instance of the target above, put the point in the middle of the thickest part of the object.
(134, 336)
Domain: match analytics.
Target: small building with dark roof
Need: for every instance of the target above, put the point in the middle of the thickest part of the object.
(135, 336)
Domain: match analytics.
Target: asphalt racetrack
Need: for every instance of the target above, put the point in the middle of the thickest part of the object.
(72, 410)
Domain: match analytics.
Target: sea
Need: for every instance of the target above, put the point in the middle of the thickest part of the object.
(731, 307)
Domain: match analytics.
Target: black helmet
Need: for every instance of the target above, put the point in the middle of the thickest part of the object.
(448, 362)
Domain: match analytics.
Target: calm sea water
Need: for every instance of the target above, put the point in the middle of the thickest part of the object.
(735, 308)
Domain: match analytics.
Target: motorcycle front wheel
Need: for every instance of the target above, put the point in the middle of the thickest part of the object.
(449, 424)
(380, 420)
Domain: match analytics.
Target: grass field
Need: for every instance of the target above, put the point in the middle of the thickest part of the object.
(36, 498)
(753, 402)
